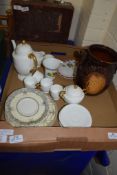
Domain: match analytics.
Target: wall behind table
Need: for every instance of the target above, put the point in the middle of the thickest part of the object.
(75, 21)
(110, 38)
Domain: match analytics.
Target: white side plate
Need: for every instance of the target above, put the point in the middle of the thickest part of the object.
(74, 115)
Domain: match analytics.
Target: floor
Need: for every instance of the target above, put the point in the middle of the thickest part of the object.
(96, 169)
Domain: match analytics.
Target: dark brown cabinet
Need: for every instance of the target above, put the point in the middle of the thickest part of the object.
(42, 20)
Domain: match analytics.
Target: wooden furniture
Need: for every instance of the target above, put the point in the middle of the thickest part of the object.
(42, 20)
(6, 24)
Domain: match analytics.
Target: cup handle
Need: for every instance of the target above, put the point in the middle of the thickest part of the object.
(62, 93)
(33, 57)
(81, 55)
(85, 91)
(37, 86)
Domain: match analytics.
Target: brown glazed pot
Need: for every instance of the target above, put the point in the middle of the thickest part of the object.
(97, 65)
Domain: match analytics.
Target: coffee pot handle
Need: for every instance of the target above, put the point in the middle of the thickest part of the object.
(33, 57)
(81, 54)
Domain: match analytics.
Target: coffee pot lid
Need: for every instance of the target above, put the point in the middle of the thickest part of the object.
(23, 48)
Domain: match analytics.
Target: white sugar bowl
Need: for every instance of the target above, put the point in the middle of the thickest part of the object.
(72, 94)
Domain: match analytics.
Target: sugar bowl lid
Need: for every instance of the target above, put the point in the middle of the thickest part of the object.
(74, 91)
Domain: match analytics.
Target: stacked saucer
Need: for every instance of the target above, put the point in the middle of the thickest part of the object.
(29, 107)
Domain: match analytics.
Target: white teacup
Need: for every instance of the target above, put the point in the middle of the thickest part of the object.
(29, 82)
(46, 83)
(55, 91)
(38, 76)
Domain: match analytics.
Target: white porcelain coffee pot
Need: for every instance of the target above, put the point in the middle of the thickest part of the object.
(25, 61)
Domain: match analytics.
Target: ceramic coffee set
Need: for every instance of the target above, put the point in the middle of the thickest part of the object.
(30, 106)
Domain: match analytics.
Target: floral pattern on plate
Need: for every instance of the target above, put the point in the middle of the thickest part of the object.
(43, 112)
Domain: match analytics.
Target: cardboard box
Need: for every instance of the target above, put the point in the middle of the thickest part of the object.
(103, 109)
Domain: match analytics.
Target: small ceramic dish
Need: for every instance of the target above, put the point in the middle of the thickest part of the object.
(68, 69)
(75, 115)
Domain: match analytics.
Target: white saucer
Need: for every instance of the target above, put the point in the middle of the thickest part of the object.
(30, 107)
(75, 115)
